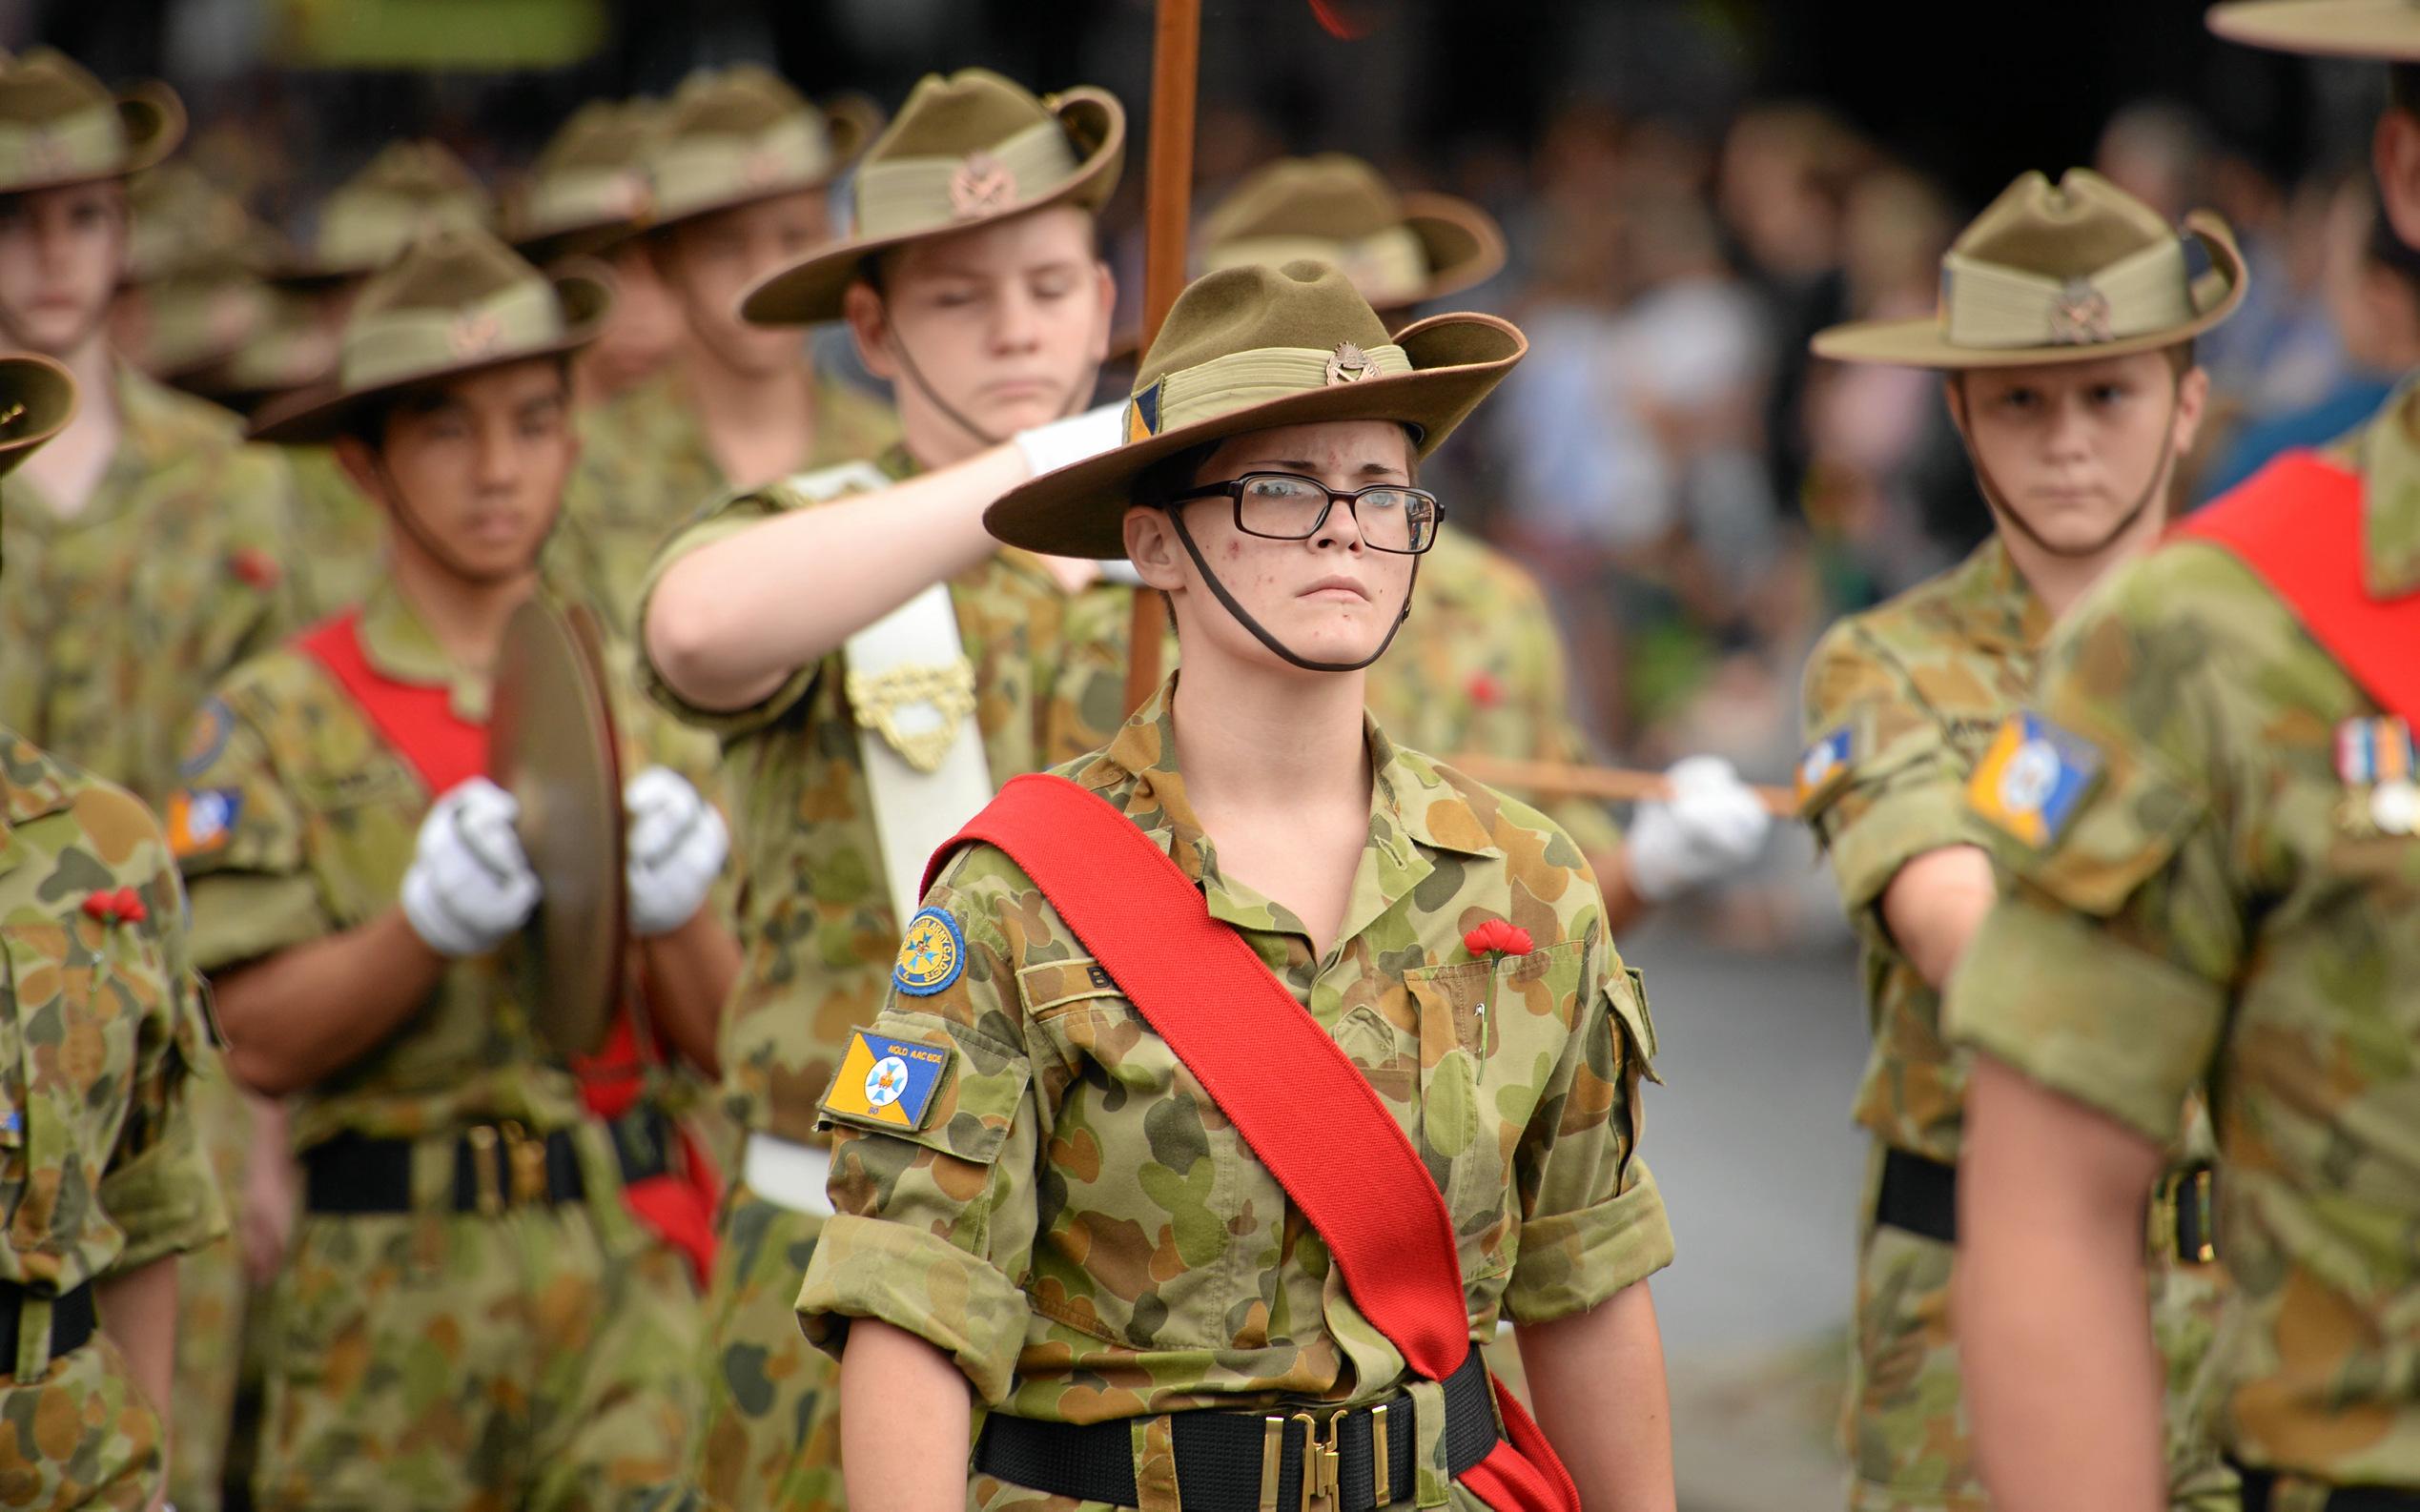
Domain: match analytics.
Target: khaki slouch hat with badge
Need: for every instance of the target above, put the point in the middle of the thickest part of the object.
(2065, 272)
(59, 126)
(967, 150)
(741, 134)
(457, 301)
(1249, 349)
(1398, 250)
(407, 189)
(589, 189)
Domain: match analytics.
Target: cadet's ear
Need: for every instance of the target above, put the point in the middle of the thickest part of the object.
(352, 454)
(2394, 152)
(1152, 547)
(870, 327)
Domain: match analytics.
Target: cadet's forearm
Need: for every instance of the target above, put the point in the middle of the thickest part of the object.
(297, 1016)
(139, 1312)
(1935, 903)
(690, 974)
(730, 621)
(905, 1421)
(2053, 1328)
(1597, 1379)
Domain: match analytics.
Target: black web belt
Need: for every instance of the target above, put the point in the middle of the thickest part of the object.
(1921, 1196)
(1250, 1461)
(496, 1167)
(2260, 1495)
(72, 1320)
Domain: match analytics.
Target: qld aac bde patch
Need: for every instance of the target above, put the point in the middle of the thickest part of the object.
(888, 1080)
(2033, 778)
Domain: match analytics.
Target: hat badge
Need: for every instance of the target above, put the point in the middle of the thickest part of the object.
(1349, 364)
(759, 167)
(475, 336)
(44, 154)
(980, 185)
(2079, 315)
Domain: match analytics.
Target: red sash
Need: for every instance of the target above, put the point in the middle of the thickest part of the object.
(417, 722)
(2297, 523)
(1229, 1021)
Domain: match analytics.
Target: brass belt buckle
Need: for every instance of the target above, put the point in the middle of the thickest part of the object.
(488, 1170)
(879, 699)
(528, 1159)
(1322, 1463)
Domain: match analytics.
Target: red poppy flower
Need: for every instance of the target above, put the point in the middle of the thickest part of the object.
(1499, 936)
(256, 567)
(130, 906)
(1486, 691)
(101, 906)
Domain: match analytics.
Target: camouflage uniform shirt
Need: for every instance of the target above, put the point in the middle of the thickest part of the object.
(646, 470)
(342, 534)
(2204, 914)
(816, 919)
(119, 620)
(100, 1167)
(1082, 1232)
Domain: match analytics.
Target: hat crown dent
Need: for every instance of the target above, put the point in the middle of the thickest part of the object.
(1304, 304)
(951, 116)
(742, 101)
(2072, 230)
(1333, 195)
(602, 135)
(46, 84)
(445, 268)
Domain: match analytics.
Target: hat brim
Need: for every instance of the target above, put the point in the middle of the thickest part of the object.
(1080, 510)
(153, 120)
(811, 292)
(48, 393)
(851, 122)
(325, 410)
(2387, 29)
(599, 238)
(1463, 244)
(1922, 342)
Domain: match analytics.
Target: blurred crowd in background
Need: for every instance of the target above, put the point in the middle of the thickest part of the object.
(1697, 495)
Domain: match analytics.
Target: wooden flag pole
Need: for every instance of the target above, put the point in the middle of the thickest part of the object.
(1608, 784)
(1167, 227)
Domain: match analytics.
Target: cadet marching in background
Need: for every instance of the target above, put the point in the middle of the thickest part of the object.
(818, 624)
(362, 227)
(149, 550)
(469, 1312)
(2214, 830)
(105, 1180)
(738, 176)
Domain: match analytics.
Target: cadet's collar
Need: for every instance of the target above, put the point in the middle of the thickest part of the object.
(30, 782)
(2391, 465)
(400, 645)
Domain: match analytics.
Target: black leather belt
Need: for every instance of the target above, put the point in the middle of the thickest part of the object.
(1921, 1196)
(496, 1167)
(72, 1320)
(2260, 1493)
(1357, 1460)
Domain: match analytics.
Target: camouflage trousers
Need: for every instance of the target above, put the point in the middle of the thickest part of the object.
(213, 1295)
(772, 1422)
(1904, 1418)
(536, 1360)
(83, 1436)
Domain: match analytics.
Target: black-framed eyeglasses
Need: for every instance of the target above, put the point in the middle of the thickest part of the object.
(1286, 506)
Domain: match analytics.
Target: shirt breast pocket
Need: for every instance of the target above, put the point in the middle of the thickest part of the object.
(1151, 1214)
(1491, 1033)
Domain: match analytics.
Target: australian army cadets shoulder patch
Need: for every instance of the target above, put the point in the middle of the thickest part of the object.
(1823, 767)
(885, 1079)
(931, 954)
(2031, 780)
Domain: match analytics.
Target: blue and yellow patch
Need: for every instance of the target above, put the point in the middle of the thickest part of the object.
(931, 954)
(1824, 764)
(200, 819)
(888, 1080)
(1142, 412)
(2033, 778)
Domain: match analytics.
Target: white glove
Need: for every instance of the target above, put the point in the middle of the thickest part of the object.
(677, 845)
(1063, 443)
(469, 886)
(1710, 827)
